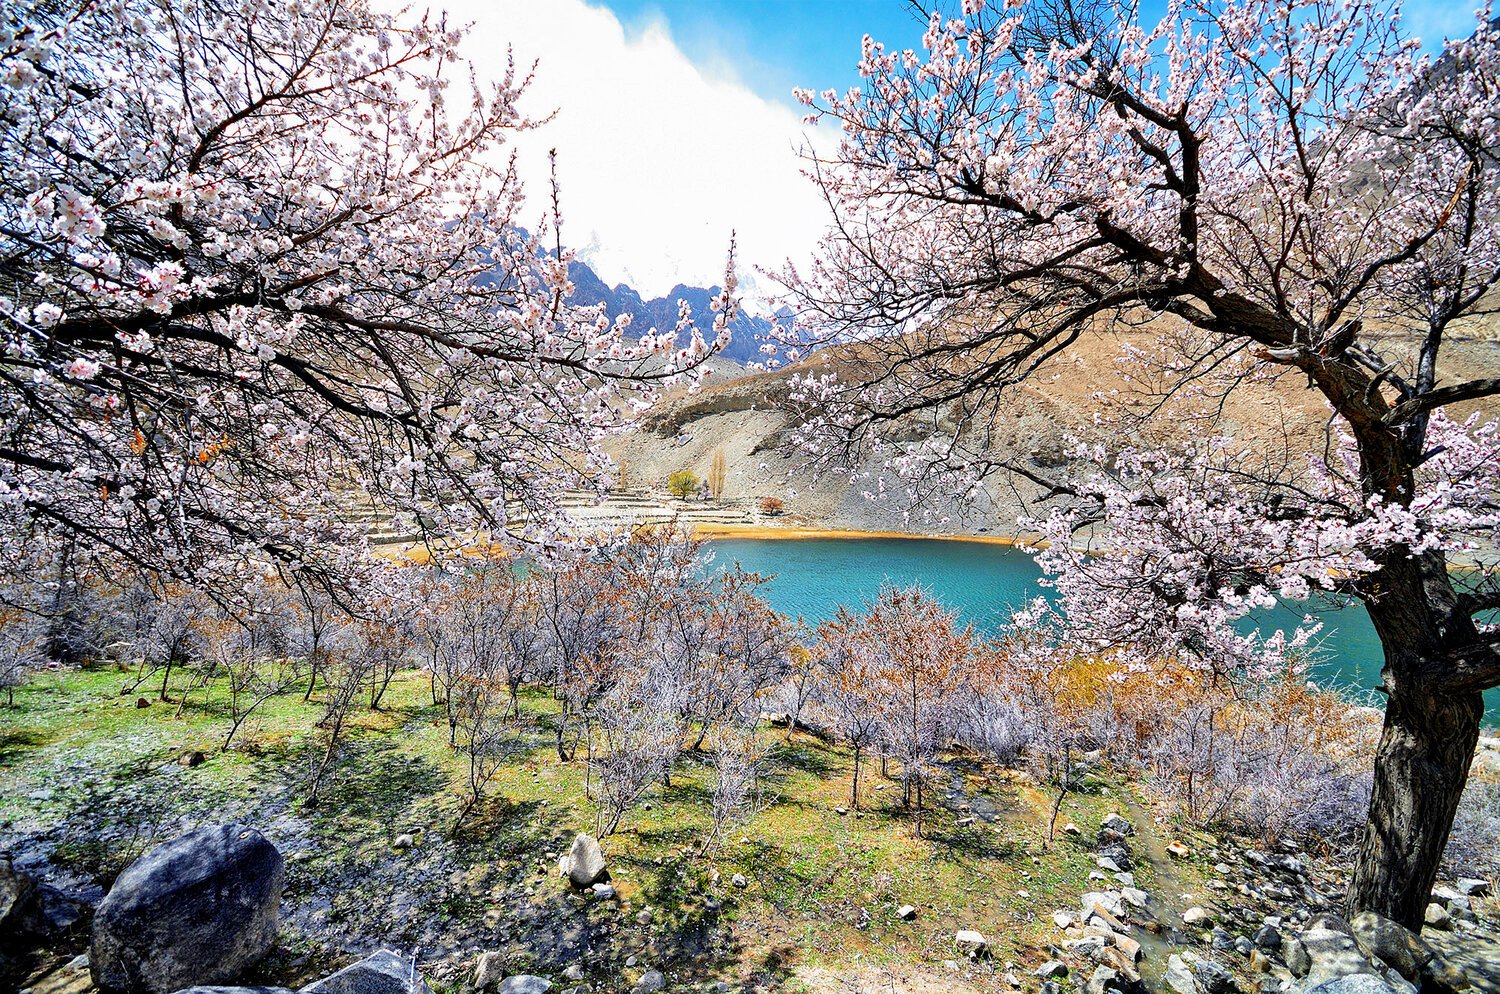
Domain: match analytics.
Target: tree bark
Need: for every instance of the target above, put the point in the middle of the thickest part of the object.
(1427, 744)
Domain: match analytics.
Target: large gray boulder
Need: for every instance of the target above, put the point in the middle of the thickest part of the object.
(584, 864)
(1354, 983)
(1332, 952)
(1384, 940)
(198, 910)
(385, 972)
(213, 989)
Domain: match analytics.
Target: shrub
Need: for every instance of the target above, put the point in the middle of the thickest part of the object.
(772, 505)
(683, 484)
(1474, 845)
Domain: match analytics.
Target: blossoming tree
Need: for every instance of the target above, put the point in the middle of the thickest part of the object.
(1266, 184)
(262, 264)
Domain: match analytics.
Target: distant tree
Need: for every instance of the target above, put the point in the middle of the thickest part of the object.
(772, 506)
(21, 642)
(1286, 190)
(683, 483)
(718, 474)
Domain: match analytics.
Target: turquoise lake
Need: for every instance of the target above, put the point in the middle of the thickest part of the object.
(985, 582)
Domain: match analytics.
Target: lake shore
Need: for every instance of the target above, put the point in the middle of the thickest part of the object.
(799, 532)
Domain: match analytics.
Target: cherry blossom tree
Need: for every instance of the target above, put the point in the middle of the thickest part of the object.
(1265, 185)
(263, 269)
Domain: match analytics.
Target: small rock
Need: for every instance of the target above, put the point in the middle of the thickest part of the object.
(1052, 968)
(651, 981)
(1177, 977)
(1295, 955)
(1116, 822)
(584, 864)
(574, 972)
(191, 758)
(643, 917)
(1178, 849)
(1437, 917)
(1196, 916)
(489, 970)
(1062, 919)
(738, 880)
(141, 702)
(1072, 829)
(1474, 887)
(971, 943)
(523, 983)
(403, 841)
(1214, 978)
(604, 892)
(906, 912)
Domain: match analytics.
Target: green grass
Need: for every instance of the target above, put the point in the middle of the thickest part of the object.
(823, 887)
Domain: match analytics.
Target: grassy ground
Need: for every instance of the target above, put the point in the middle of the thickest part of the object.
(96, 782)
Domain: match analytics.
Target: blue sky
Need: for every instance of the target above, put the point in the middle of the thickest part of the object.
(773, 45)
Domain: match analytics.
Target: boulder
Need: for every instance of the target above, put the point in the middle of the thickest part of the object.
(1331, 953)
(1116, 822)
(1474, 887)
(1196, 916)
(1354, 983)
(212, 989)
(1108, 900)
(523, 983)
(384, 972)
(906, 912)
(584, 864)
(1381, 939)
(1437, 917)
(200, 909)
(1052, 968)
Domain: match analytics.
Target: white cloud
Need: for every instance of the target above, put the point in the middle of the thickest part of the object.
(658, 160)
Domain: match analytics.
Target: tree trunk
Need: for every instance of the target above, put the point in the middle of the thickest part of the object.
(1427, 744)
(1420, 770)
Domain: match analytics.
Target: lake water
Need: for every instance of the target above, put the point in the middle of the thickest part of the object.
(985, 582)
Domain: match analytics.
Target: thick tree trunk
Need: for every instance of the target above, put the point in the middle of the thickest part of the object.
(1431, 729)
(1420, 772)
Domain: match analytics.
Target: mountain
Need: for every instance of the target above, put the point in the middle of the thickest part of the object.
(660, 313)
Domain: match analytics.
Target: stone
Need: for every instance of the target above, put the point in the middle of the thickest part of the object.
(1178, 849)
(1116, 822)
(1331, 952)
(383, 972)
(1102, 980)
(1473, 887)
(1294, 955)
(584, 864)
(1072, 829)
(1108, 900)
(525, 983)
(1130, 947)
(1177, 977)
(971, 943)
(604, 892)
(1437, 917)
(738, 880)
(403, 841)
(1356, 983)
(489, 970)
(199, 909)
(1062, 919)
(1214, 978)
(1259, 962)
(1089, 946)
(1134, 897)
(906, 912)
(1381, 939)
(1196, 916)
(1107, 864)
(1118, 853)
(142, 703)
(220, 989)
(574, 972)
(651, 981)
(1268, 937)
(1051, 968)
(191, 758)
